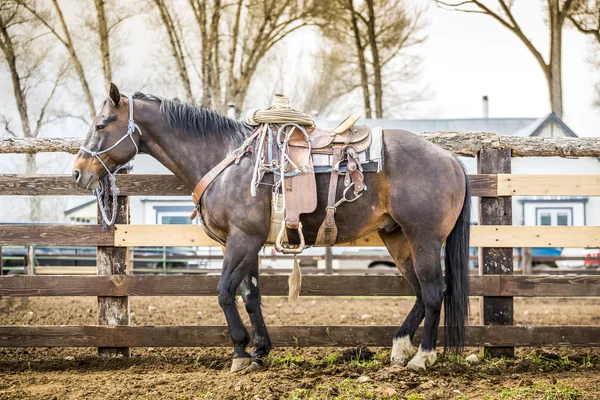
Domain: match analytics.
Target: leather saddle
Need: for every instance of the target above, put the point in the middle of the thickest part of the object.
(300, 190)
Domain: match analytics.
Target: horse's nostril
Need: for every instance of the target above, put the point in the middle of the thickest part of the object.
(76, 175)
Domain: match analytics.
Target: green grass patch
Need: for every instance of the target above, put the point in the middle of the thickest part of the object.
(544, 391)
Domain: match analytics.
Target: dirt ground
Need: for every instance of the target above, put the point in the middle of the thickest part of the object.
(290, 373)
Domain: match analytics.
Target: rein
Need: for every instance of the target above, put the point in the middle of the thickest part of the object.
(108, 186)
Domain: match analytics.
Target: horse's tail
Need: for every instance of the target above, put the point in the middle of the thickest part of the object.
(456, 297)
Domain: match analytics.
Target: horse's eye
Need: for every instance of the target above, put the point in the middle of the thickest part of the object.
(100, 127)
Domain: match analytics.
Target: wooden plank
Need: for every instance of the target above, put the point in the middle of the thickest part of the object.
(54, 235)
(535, 236)
(495, 260)
(484, 185)
(193, 235)
(548, 185)
(481, 236)
(276, 285)
(461, 143)
(64, 185)
(151, 185)
(112, 262)
(283, 336)
(62, 270)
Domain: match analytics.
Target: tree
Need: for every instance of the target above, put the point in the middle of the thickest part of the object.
(63, 34)
(24, 64)
(558, 11)
(585, 16)
(170, 21)
(108, 17)
(376, 32)
(234, 39)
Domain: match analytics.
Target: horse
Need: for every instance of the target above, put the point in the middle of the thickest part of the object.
(419, 200)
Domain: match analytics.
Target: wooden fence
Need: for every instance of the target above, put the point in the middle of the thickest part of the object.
(494, 235)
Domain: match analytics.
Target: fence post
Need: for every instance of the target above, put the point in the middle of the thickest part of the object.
(492, 261)
(328, 261)
(114, 261)
(30, 267)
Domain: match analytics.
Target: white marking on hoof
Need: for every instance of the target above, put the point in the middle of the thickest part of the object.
(402, 350)
(239, 364)
(254, 281)
(422, 360)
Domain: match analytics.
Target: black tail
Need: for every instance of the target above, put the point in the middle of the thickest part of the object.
(456, 297)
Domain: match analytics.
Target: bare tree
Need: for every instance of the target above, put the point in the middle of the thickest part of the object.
(264, 24)
(24, 64)
(63, 34)
(108, 17)
(585, 16)
(169, 18)
(378, 32)
(558, 12)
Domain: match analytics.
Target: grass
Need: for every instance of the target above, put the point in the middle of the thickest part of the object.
(544, 391)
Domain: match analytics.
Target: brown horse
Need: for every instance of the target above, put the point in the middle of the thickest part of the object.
(420, 199)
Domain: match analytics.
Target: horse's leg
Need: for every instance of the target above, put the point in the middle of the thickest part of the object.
(402, 348)
(251, 295)
(427, 262)
(240, 256)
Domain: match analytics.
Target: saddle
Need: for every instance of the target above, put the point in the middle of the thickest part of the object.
(342, 143)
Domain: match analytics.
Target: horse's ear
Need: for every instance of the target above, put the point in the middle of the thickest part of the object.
(114, 94)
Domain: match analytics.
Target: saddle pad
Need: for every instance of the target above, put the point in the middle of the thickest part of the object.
(300, 191)
(370, 159)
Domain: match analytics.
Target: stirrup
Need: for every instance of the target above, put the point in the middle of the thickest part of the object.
(279, 246)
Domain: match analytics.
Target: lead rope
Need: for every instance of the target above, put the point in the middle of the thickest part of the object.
(108, 185)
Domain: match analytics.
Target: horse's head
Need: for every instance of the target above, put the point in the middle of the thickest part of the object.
(110, 143)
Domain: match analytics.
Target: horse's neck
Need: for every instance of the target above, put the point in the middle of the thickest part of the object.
(187, 157)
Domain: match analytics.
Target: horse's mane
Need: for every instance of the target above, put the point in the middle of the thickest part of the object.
(193, 120)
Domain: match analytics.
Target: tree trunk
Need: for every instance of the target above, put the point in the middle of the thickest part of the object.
(362, 64)
(176, 50)
(216, 54)
(35, 203)
(230, 89)
(104, 42)
(376, 61)
(554, 73)
(206, 59)
(87, 93)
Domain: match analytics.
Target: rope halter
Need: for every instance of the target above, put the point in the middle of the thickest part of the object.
(103, 191)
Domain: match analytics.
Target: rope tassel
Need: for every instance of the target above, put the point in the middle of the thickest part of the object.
(295, 281)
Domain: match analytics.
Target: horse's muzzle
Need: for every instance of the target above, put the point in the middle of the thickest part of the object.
(84, 179)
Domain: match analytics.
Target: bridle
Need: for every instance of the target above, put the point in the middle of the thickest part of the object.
(103, 191)
(131, 127)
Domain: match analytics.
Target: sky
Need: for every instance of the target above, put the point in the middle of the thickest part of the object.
(471, 55)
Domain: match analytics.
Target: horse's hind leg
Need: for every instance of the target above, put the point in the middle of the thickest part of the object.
(250, 291)
(402, 348)
(240, 256)
(427, 263)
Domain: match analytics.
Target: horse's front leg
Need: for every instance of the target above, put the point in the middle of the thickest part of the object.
(241, 254)
(250, 291)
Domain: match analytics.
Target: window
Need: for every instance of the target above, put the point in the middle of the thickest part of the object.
(173, 214)
(175, 219)
(554, 216)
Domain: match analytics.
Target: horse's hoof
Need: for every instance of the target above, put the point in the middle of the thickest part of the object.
(402, 351)
(254, 367)
(399, 361)
(239, 364)
(422, 360)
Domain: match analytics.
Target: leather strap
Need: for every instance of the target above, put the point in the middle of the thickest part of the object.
(328, 231)
(207, 179)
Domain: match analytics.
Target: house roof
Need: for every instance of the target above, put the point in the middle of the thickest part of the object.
(79, 207)
(501, 126)
(537, 126)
